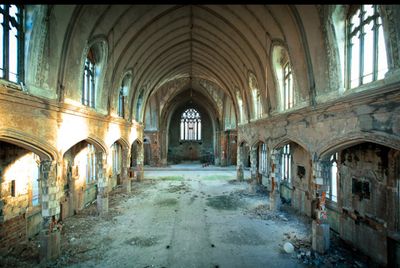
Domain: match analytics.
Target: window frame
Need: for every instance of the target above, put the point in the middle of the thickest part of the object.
(287, 83)
(89, 81)
(286, 164)
(196, 134)
(121, 102)
(18, 23)
(360, 31)
(263, 159)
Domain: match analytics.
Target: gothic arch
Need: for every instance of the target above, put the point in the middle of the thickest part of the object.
(354, 138)
(38, 146)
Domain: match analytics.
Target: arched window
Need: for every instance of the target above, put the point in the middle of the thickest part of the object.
(88, 87)
(191, 125)
(240, 104)
(288, 97)
(121, 102)
(255, 92)
(139, 106)
(284, 77)
(366, 51)
(11, 43)
(332, 186)
(286, 163)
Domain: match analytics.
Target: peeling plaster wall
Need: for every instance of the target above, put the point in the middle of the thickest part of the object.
(368, 116)
(53, 129)
(301, 192)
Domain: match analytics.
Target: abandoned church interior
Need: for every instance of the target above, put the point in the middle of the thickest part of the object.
(302, 101)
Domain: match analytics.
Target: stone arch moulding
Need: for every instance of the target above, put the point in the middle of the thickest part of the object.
(243, 141)
(99, 144)
(140, 142)
(350, 139)
(256, 142)
(38, 146)
(123, 142)
(285, 140)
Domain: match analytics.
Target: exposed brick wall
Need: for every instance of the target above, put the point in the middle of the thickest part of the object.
(12, 232)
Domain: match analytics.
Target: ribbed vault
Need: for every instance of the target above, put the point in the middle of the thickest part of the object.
(162, 43)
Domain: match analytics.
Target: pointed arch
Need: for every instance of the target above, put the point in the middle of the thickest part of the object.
(38, 146)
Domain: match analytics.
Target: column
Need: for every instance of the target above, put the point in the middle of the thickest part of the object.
(239, 166)
(320, 226)
(274, 180)
(217, 149)
(224, 149)
(102, 185)
(126, 180)
(253, 164)
(50, 237)
(140, 162)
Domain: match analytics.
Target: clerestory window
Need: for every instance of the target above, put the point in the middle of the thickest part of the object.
(191, 125)
(366, 51)
(88, 87)
(11, 43)
(121, 102)
(288, 97)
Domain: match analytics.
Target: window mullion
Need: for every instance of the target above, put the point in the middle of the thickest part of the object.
(21, 46)
(375, 45)
(361, 37)
(349, 55)
(6, 41)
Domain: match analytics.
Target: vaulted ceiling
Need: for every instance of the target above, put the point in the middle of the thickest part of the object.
(163, 43)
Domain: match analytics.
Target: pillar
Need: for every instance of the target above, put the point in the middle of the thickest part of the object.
(274, 196)
(163, 147)
(239, 166)
(320, 226)
(50, 237)
(126, 180)
(140, 162)
(102, 185)
(224, 149)
(253, 164)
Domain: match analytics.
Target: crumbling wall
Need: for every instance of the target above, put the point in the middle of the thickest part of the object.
(16, 174)
(152, 148)
(364, 197)
(301, 180)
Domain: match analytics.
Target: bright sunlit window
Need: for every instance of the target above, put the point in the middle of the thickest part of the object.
(88, 87)
(263, 158)
(366, 56)
(288, 96)
(332, 187)
(191, 125)
(286, 163)
(11, 43)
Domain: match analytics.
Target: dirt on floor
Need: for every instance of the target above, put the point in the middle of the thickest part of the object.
(187, 219)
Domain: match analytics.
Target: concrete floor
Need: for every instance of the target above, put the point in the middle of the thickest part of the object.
(185, 219)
